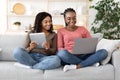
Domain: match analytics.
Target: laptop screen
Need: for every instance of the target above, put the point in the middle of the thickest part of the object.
(85, 45)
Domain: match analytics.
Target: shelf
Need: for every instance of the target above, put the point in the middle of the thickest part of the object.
(54, 7)
(21, 15)
(48, 0)
(67, 0)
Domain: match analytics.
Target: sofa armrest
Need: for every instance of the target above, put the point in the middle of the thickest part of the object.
(116, 63)
(0, 49)
(116, 58)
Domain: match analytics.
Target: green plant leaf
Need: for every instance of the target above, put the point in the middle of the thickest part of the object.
(108, 17)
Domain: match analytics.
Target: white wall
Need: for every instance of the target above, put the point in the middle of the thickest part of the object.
(6, 22)
(59, 7)
(3, 17)
(92, 13)
(53, 7)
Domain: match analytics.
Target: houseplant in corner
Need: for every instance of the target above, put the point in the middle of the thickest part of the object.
(108, 19)
(16, 25)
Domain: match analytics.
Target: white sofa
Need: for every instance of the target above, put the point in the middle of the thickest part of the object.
(8, 71)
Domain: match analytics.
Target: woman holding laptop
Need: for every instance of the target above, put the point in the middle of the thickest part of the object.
(39, 58)
(66, 37)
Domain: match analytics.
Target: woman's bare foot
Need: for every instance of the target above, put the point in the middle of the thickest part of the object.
(78, 66)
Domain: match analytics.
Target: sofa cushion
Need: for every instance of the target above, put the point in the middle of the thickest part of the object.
(105, 72)
(0, 49)
(10, 41)
(10, 72)
(109, 45)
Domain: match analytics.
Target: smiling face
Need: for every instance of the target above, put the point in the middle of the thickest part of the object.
(46, 23)
(70, 19)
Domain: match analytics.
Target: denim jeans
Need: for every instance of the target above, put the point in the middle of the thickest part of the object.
(83, 59)
(36, 60)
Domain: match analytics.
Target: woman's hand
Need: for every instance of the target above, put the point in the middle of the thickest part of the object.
(46, 45)
(33, 45)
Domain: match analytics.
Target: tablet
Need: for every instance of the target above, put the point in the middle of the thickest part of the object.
(40, 38)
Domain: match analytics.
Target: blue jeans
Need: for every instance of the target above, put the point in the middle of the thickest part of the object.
(83, 59)
(36, 60)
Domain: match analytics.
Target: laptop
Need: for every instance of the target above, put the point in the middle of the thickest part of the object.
(85, 45)
(40, 38)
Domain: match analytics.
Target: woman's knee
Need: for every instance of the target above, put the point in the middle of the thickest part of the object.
(103, 53)
(62, 53)
(50, 62)
(17, 52)
(56, 60)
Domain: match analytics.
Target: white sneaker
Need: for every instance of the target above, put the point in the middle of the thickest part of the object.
(96, 64)
(69, 67)
(22, 65)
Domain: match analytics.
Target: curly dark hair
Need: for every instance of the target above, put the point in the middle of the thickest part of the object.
(68, 10)
(38, 22)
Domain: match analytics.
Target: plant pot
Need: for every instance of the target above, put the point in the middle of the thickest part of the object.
(16, 27)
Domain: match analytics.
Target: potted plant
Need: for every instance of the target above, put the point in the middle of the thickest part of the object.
(108, 19)
(17, 25)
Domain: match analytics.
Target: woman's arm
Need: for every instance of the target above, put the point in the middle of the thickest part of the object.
(52, 41)
(27, 43)
(86, 33)
(53, 46)
(60, 41)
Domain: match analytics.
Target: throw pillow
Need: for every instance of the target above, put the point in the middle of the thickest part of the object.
(109, 45)
(97, 35)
